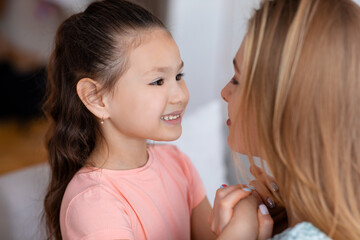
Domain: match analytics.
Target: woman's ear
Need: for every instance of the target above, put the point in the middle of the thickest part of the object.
(89, 92)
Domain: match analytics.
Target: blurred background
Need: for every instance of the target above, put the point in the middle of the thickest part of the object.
(208, 33)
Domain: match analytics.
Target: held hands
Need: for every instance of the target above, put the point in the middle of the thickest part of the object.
(236, 208)
(237, 215)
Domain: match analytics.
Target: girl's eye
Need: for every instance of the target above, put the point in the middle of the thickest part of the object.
(234, 81)
(158, 82)
(179, 76)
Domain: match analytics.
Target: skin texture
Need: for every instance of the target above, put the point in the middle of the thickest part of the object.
(233, 209)
(136, 106)
(231, 94)
(151, 88)
(236, 212)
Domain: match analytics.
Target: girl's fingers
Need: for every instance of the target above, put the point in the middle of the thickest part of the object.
(266, 223)
(227, 206)
(225, 201)
(222, 192)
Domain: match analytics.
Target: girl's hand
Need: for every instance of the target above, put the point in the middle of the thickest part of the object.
(225, 200)
(249, 222)
(236, 216)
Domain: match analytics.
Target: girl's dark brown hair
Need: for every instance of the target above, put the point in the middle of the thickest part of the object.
(92, 44)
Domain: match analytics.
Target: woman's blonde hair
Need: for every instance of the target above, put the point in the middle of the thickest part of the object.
(301, 81)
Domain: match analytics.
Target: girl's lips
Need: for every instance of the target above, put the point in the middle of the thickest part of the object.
(174, 113)
(173, 118)
(228, 122)
(175, 121)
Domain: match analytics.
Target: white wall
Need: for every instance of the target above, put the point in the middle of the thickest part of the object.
(31, 25)
(208, 33)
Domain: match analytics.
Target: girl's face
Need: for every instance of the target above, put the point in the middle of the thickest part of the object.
(151, 96)
(231, 94)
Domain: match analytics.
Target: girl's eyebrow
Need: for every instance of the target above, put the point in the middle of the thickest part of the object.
(181, 65)
(165, 69)
(236, 66)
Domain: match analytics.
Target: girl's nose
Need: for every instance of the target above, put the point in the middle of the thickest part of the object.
(179, 93)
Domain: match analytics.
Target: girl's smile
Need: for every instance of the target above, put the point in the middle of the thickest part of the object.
(173, 118)
(152, 91)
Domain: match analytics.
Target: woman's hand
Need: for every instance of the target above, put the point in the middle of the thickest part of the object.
(266, 186)
(236, 215)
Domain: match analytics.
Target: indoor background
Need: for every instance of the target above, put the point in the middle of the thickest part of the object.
(208, 33)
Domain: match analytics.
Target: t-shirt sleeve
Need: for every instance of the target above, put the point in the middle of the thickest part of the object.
(96, 214)
(197, 190)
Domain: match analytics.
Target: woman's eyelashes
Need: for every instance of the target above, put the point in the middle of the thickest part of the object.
(179, 76)
(234, 81)
(161, 81)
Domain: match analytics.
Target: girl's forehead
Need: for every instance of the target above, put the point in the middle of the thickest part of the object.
(158, 50)
(155, 56)
(144, 36)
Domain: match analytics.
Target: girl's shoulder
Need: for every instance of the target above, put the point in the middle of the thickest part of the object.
(88, 186)
(94, 210)
(302, 231)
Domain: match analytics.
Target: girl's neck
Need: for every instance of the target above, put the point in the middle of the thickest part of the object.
(123, 154)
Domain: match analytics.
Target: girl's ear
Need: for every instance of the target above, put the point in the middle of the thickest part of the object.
(89, 92)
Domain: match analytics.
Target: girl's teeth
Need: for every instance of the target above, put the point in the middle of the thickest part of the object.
(170, 117)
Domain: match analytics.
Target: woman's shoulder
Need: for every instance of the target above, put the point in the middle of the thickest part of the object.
(302, 231)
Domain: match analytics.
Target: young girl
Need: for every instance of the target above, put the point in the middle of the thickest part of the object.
(115, 80)
(294, 102)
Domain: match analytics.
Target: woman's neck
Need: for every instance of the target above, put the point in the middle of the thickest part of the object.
(292, 219)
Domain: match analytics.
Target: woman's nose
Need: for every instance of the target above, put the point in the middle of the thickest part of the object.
(225, 93)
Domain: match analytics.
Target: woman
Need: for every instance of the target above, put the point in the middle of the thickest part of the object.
(293, 102)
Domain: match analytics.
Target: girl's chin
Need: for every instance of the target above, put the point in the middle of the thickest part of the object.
(168, 137)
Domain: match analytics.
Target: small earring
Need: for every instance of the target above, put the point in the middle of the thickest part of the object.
(102, 121)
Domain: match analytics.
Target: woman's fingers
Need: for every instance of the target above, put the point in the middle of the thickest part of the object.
(266, 223)
(269, 181)
(266, 188)
(264, 193)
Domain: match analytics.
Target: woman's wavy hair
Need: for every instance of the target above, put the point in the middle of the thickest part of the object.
(301, 81)
(93, 44)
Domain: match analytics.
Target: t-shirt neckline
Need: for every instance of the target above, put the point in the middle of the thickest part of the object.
(119, 171)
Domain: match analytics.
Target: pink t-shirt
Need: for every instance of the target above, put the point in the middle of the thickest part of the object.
(151, 202)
